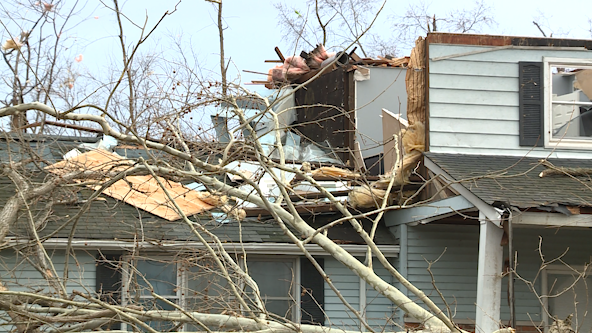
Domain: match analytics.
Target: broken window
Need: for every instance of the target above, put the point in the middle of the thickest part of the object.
(571, 108)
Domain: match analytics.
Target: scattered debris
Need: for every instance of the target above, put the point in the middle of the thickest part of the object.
(562, 326)
(143, 192)
(299, 68)
(12, 44)
(336, 172)
(553, 170)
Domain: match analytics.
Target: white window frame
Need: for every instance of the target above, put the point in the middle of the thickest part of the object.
(182, 280)
(569, 143)
(555, 270)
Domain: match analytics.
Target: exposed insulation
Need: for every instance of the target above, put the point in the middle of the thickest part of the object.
(365, 197)
(414, 146)
(584, 82)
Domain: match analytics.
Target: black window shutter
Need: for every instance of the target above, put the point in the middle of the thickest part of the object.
(312, 284)
(108, 281)
(532, 104)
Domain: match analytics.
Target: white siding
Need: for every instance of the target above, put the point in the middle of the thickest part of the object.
(473, 100)
(385, 89)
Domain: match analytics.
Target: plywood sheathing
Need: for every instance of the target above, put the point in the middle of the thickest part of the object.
(143, 192)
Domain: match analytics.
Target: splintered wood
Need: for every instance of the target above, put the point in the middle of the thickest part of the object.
(335, 172)
(143, 192)
(415, 82)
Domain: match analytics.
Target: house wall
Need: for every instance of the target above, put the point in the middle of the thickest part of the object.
(385, 89)
(379, 310)
(473, 99)
(19, 275)
(455, 272)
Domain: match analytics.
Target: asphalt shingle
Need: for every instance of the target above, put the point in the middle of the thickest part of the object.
(516, 180)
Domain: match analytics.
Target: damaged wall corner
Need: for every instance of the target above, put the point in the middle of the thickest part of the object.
(413, 138)
(415, 82)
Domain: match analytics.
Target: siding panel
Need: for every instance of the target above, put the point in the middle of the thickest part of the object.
(379, 309)
(348, 284)
(479, 97)
(474, 92)
(473, 140)
(473, 68)
(451, 125)
(455, 273)
(19, 275)
(464, 82)
(501, 55)
(467, 111)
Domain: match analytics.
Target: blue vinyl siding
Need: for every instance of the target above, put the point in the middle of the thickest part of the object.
(455, 273)
(349, 285)
(20, 275)
(379, 310)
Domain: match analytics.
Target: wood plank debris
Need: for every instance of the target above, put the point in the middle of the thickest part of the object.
(143, 192)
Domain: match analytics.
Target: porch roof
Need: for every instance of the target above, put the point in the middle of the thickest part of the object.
(516, 181)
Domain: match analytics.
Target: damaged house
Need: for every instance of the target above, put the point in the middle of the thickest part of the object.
(482, 142)
(504, 218)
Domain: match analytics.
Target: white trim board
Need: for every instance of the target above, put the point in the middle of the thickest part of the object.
(428, 212)
(250, 248)
(552, 219)
(490, 212)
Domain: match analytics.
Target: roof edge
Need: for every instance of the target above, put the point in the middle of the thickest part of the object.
(250, 248)
(498, 40)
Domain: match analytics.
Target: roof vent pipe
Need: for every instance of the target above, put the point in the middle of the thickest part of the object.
(342, 59)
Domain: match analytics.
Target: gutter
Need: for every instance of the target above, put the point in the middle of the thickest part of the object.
(250, 248)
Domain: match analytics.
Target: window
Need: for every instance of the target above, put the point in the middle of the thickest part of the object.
(570, 108)
(555, 103)
(197, 286)
(568, 293)
(277, 285)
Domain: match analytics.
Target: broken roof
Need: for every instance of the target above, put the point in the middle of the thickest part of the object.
(143, 192)
(516, 180)
(111, 219)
